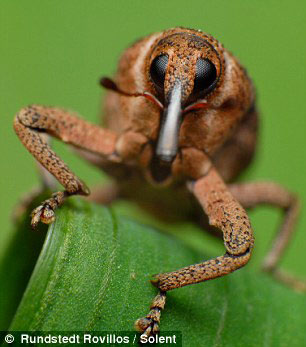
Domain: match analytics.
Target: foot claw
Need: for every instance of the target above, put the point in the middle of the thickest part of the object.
(43, 213)
(147, 326)
(142, 324)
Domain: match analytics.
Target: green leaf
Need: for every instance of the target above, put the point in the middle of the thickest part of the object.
(93, 271)
(17, 263)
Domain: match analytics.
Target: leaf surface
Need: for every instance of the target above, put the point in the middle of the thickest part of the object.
(93, 274)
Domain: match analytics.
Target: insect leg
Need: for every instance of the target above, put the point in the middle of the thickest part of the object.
(225, 213)
(269, 193)
(149, 324)
(29, 125)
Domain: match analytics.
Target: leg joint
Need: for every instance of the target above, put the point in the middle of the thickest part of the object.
(35, 117)
(240, 259)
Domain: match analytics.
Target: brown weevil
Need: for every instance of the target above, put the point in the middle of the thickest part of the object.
(180, 115)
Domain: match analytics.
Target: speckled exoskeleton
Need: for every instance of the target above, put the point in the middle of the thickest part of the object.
(180, 126)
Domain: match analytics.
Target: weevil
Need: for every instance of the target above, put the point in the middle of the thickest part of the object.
(180, 125)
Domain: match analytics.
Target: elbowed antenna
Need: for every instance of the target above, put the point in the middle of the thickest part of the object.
(167, 144)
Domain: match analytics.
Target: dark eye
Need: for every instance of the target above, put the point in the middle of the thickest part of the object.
(158, 70)
(205, 75)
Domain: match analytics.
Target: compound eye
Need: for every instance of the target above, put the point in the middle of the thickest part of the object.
(205, 75)
(158, 70)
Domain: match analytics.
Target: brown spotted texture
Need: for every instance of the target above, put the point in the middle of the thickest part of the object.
(150, 323)
(67, 127)
(225, 213)
(216, 143)
(31, 121)
(204, 129)
(128, 145)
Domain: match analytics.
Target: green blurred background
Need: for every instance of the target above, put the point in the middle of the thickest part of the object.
(53, 53)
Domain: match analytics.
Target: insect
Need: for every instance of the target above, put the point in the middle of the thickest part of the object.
(180, 126)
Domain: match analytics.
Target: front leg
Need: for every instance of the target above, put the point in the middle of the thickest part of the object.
(225, 213)
(252, 194)
(31, 122)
